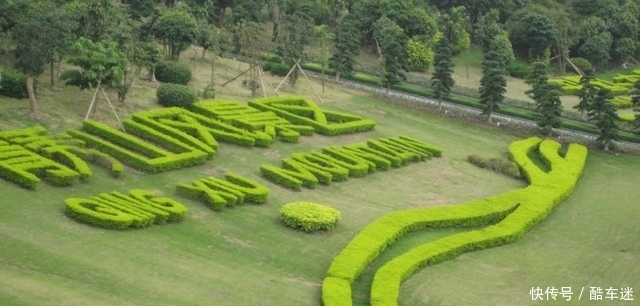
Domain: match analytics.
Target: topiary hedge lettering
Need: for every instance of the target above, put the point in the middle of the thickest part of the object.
(301, 111)
(138, 209)
(219, 193)
(338, 163)
(506, 217)
(173, 72)
(309, 216)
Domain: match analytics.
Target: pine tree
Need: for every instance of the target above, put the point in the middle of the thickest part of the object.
(347, 45)
(635, 98)
(550, 110)
(539, 82)
(443, 68)
(587, 92)
(492, 84)
(602, 113)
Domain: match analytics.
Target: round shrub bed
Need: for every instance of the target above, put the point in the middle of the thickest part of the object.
(173, 72)
(309, 216)
(175, 95)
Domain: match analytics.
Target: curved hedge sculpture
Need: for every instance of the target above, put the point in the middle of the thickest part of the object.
(309, 217)
(119, 211)
(507, 218)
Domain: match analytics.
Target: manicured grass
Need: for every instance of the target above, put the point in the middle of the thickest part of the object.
(245, 256)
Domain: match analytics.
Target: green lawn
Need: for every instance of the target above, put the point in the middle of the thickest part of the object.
(245, 256)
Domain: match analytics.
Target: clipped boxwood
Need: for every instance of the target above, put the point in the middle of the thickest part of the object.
(14, 84)
(175, 95)
(173, 72)
(309, 216)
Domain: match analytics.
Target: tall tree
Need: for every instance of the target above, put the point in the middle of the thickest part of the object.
(347, 46)
(101, 64)
(587, 92)
(443, 68)
(392, 43)
(550, 110)
(177, 30)
(493, 84)
(603, 114)
(37, 34)
(293, 35)
(323, 38)
(635, 98)
(596, 41)
(538, 80)
(487, 29)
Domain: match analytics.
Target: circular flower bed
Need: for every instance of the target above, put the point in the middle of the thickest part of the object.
(309, 216)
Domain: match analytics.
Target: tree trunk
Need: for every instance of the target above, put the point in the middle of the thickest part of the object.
(32, 96)
(276, 20)
(379, 51)
(94, 109)
(606, 146)
(322, 78)
(337, 76)
(52, 75)
(152, 75)
(489, 119)
(213, 66)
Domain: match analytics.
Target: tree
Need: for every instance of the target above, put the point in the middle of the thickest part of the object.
(37, 35)
(635, 98)
(603, 115)
(392, 44)
(293, 35)
(100, 65)
(347, 46)
(539, 34)
(443, 68)
(587, 92)
(454, 30)
(492, 84)
(177, 30)
(538, 80)
(487, 29)
(140, 8)
(323, 36)
(596, 40)
(203, 37)
(503, 47)
(550, 110)
(625, 48)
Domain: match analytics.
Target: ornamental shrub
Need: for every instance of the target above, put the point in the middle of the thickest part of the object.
(14, 84)
(582, 64)
(279, 69)
(175, 95)
(173, 72)
(309, 216)
(518, 70)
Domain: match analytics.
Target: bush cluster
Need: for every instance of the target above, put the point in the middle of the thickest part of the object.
(118, 211)
(338, 163)
(518, 69)
(496, 164)
(580, 62)
(513, 214)
(14, 84)
(175, 95)
(173, 72)
(218, 193)
(309, 216)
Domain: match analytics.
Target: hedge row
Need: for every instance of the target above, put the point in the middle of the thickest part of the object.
(119, 211)
(218, 193)
(507, 218)
(300, 111)
(135, 152)
(571, 85)
(309, 217)
(25, 168)
(252, 119)
(338, 163)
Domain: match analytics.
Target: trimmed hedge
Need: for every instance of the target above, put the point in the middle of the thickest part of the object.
(135, 152)
(496, 164)
(338, 163)
(25, 168)
(309, 216)
(14, 84)
(507, 218)
(115, 210)
(294, 109)
(217, 193)
(175, 95)
(173, 72)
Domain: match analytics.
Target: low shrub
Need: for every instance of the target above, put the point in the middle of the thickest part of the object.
(309, 217)
(518, 69)
(280, 69)
(173, 72)
(496, 164)
(14, 84)
(175, 95)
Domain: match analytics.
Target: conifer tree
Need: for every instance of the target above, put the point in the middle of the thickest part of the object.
(443, 68)
(602, 113)
(492, 84)
(587, 92)
(550, 110)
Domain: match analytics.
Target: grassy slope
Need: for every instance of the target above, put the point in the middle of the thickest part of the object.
(243, 256)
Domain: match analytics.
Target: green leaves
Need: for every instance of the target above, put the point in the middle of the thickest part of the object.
(309, 216)
(99, 63)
